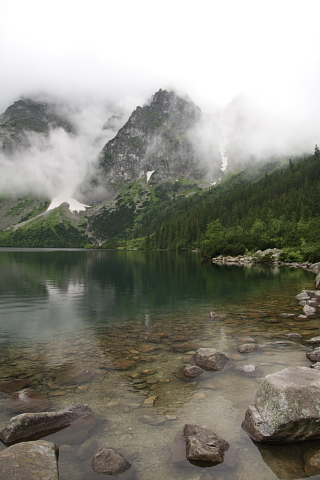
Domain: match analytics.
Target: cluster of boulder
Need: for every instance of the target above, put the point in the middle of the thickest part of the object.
(269, 256)
(29, 458)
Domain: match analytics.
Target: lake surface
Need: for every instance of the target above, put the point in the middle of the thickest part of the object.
(104, 328)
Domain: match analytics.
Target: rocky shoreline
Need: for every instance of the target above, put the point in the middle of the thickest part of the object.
(271, 256)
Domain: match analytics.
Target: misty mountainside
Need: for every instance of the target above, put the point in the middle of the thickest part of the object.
(158, 139)
(25, 117)
(171, 177)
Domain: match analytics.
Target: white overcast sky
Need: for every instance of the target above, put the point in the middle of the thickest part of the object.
(211, 50)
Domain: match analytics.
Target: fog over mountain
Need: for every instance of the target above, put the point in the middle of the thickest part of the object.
(253, 70)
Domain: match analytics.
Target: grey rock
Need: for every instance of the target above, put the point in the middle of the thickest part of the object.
(302, 296)
(315, 365)
(29, 461)
(314, 355)
(203, 446)
(286, 408)
(307, 310)
(247, 368)
(293, 335)
(30, 426)
(109, 462)
(210, 359)
(314, 341)
(247, 348)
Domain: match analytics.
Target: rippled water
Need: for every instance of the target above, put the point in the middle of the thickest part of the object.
(102, 328)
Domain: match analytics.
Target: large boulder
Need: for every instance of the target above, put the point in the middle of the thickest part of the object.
(210, 359)
(203, 446)
(31, 426)
(286, 408)
(29, 461)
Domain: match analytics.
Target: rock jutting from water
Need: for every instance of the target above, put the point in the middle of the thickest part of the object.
(203, 446)
(286, 408)
(30, 426)
(210, 359)
(30, 461)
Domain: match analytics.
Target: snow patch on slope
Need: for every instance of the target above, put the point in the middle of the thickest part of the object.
(74, 205)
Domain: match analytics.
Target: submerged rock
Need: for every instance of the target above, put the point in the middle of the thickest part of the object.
(29, 461)
(124, 364)
(210, 359)
(153, 419)
(184, 347)
(286, 407)
(26, 400)
(192, 371)
(247, 348)
(109, 462)
(203, 446)
(74, 376)
(10, 386)
(246, 368)
(30, 426)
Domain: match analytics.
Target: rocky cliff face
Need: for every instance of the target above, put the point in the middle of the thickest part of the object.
(156, 137)
(26, 116)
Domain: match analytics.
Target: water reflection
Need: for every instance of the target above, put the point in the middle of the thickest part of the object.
(115, 329)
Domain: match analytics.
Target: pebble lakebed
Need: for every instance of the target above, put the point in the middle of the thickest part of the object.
(131, 377)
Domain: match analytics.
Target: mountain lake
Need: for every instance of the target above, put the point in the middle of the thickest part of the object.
(113, 330)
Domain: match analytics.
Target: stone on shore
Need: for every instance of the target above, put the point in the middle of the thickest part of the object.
(31, 426)
(210, 359)
(29, 461)
(286, 408)
(307, 310)
(314, 355)
(203, 446)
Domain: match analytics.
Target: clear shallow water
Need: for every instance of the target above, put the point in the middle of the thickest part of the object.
(66, 313)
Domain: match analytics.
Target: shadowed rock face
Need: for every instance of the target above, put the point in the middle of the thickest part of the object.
(286, 408)
(156, 137)
(30, 426)
(29, 461)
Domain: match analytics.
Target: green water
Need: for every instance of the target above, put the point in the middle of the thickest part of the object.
(119, 316)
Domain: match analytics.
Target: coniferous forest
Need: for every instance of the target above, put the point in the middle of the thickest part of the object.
(279, 210)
